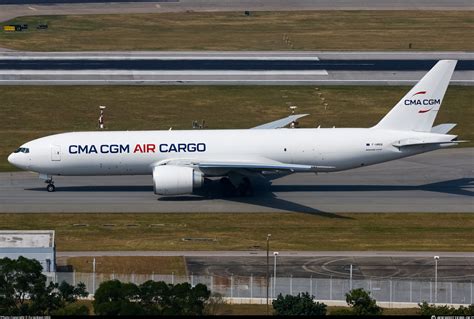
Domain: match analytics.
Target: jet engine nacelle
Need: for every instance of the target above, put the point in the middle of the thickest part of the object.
(176, 180)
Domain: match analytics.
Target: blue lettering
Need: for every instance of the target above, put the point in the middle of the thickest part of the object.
(124, 148)
(182, 147)
(201, 147)
(172, 148)
(114, 148)
(82, 149)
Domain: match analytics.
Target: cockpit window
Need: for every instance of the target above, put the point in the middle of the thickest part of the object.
(22, 150)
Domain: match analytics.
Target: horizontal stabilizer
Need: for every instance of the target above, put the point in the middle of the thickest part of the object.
(443, 128)
(279, 123)
(411, 142)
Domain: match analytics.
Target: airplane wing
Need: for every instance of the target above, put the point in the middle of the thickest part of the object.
(258, 165)
(279, 123)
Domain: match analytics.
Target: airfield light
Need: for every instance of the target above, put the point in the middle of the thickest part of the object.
(275, 254)
(94, 263)
(436, 277)
(350, 275)
(268, 258)
(101, 116)
(293, 108)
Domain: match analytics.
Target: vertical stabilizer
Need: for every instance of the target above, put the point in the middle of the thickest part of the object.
(417, 110)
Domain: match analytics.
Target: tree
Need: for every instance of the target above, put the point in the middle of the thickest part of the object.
(20, 279)
(150, 298)
(154, 296)
(187, 300)
(361, 302)
(302, 304)
(114, 298)
(23, 289)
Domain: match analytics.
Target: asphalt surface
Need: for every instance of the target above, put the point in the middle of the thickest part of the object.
(440, 181)
(235, 64)
(452, 269)
(453, 266)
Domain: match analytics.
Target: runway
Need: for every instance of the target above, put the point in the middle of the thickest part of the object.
(440, 181)
(224, 68)
(228, 64)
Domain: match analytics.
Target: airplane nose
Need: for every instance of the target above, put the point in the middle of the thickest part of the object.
(11, 159)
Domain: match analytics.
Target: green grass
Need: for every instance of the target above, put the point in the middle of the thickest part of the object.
(28, 112)
(306, 30)
(246, 231)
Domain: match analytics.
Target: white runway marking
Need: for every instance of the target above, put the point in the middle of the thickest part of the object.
(160, 57)
(162, 72)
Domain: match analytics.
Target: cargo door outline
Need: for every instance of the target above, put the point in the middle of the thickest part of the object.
(55, 153)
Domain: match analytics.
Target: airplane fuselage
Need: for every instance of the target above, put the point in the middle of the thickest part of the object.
(137, 152)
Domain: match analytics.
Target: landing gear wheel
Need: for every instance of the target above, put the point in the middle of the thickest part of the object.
(227, 189)
(50, 188)
(245, 187)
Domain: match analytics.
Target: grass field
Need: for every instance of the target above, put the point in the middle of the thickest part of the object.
(306, 30)
(128, 265)
(28, 112)
(243, 231)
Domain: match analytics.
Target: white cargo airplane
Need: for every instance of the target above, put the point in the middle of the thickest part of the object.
(179, 161)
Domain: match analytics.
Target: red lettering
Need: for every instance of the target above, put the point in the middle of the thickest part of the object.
(150, 148)
(138, 148)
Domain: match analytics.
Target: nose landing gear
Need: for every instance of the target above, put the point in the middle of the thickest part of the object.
(50, 187)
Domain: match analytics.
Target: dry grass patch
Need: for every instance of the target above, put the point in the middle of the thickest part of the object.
(306, 30)
(247, 231)
(128, 264)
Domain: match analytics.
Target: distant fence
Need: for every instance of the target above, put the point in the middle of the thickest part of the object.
(387, 290)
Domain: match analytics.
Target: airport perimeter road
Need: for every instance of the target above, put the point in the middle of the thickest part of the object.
(453, 266)
(440, 181)
(178, 68)
(16, 8)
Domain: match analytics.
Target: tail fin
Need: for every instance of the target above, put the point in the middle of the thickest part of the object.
(417, 110)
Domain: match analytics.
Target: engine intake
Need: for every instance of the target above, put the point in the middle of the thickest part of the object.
(176, 180)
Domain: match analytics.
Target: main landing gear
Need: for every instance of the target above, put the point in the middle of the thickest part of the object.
(243, 188)
(50, 187)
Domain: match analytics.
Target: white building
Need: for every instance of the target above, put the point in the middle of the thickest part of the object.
(32, 244)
